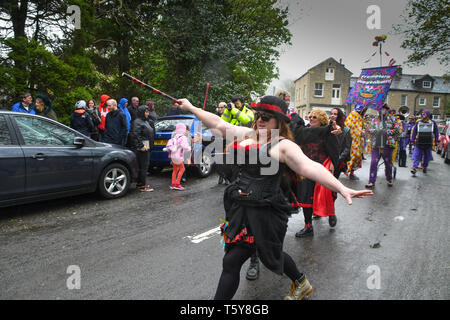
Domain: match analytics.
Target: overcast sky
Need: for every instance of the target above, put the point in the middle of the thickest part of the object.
(338, 28)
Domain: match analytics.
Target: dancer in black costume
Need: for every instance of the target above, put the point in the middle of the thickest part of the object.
(256, 209)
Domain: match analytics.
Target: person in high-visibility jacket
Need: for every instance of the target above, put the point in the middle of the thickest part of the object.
(238, 113)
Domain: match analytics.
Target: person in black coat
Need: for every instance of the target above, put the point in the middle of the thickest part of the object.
(141, 141)
(344, 140)
(115, 124)
(80, 119)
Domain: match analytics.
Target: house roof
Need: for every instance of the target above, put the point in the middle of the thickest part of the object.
(405, 82)
(326, 60)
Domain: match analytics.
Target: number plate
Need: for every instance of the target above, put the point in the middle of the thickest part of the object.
(160, 142)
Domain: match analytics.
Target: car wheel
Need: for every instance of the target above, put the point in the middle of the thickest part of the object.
(205, 167)
(114, 181)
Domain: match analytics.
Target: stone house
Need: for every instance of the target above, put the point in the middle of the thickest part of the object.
(324, 86)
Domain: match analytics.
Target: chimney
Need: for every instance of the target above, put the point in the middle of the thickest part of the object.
(340, 61)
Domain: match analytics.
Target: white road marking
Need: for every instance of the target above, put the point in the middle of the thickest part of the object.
(204, 236)
(399, 218)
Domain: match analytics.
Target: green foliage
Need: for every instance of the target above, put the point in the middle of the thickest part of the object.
(426, 28)
(176, 46)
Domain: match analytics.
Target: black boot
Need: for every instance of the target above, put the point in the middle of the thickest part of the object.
(220, 180)
(253, 268)
(332, 220)
(307, 231)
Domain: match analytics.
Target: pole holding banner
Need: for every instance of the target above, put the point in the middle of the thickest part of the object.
(165, 95)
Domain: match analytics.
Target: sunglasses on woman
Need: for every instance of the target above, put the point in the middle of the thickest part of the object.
(264, 116)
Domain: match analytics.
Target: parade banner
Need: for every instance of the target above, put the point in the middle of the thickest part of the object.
(371, 88)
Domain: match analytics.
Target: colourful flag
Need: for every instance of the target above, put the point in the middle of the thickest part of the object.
(372, 87)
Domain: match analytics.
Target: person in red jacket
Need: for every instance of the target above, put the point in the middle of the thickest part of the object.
(103, 110)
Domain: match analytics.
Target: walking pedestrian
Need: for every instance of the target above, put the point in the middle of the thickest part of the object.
(256, 210)
(80, 119)
(141, 142)
(384, 132)
(320, 146)
(176, 147)
(355, 121)
(133, 108)
(424, 136)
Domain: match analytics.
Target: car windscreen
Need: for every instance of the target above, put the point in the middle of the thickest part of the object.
(168, 125)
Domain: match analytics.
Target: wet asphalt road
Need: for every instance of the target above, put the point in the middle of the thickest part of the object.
(165, 245)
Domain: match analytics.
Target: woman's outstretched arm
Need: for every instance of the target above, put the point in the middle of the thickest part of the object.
(290, 153)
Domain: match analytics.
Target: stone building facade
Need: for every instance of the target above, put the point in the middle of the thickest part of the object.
(324, 86)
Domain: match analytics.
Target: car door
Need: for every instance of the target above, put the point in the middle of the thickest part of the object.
(12, 163)
(53, 163)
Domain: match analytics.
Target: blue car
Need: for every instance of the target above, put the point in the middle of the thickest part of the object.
(164, 127)
(42, 159)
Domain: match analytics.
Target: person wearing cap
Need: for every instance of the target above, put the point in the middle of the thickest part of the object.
(80, 119)
(424, 137)
(44, 107)
(238, 113)
(25, 104)
(355, 122)
(256, 209)
(385, 132)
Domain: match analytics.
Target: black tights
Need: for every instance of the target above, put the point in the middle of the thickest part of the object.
(232, 264)
(307, 213)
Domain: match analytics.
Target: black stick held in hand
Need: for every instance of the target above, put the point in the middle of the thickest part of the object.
(150, 87)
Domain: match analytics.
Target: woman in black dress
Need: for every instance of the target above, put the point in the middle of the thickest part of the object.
(256, 209)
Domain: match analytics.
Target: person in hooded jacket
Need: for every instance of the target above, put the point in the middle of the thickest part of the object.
(123, 105)
(115, 124)
(103, 110)
(44, 107)
(141, 142)
(80, 119)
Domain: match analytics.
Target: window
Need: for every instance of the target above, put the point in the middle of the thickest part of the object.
(404, 100)
(422, 101)
(304, 91)
(5, 138)
(336, 91)
(329, 74)
(426, 84)
(436, 102)
(436, 117)
(43, 133)
(318, 90)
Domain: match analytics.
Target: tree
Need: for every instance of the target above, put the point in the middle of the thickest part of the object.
(426, 29)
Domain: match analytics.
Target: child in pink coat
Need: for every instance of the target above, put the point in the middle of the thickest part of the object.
(176, 147)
